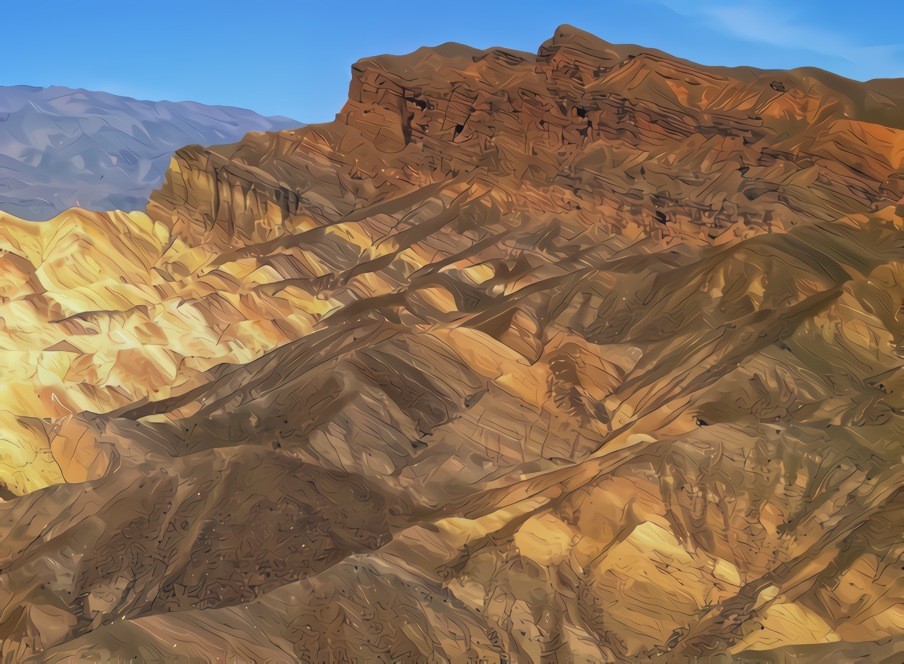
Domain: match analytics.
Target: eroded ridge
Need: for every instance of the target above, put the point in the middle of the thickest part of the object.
(589, 355)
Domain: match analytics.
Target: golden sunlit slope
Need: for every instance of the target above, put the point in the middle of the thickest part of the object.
(100, 310)
(593, 355)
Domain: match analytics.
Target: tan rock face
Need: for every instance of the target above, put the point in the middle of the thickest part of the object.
(590, 355)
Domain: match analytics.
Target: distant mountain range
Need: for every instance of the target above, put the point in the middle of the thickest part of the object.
(591, 354)
(61, 147)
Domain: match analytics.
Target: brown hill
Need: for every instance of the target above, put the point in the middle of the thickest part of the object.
(593, 355)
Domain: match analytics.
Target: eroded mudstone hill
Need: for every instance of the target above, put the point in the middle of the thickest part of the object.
(589, 355)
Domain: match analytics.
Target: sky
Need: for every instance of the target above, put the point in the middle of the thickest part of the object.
(294, 57)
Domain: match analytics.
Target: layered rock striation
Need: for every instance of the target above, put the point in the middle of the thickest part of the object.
(589, 355)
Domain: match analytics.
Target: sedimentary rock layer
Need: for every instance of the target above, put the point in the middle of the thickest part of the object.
(589, 355)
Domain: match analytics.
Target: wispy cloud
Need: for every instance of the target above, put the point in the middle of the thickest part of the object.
(764, 22)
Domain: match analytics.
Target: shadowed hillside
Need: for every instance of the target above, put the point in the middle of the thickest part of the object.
(589, 355)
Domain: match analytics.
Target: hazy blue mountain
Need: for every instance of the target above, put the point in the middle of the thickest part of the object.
(61, 148)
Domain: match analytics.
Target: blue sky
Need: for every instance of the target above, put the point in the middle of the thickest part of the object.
(293, 57)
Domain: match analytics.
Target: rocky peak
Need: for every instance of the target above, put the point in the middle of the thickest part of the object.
(575, 356)
(584, 128)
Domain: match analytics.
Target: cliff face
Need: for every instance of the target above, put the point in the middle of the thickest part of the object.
(591, 355)
(585, 127)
